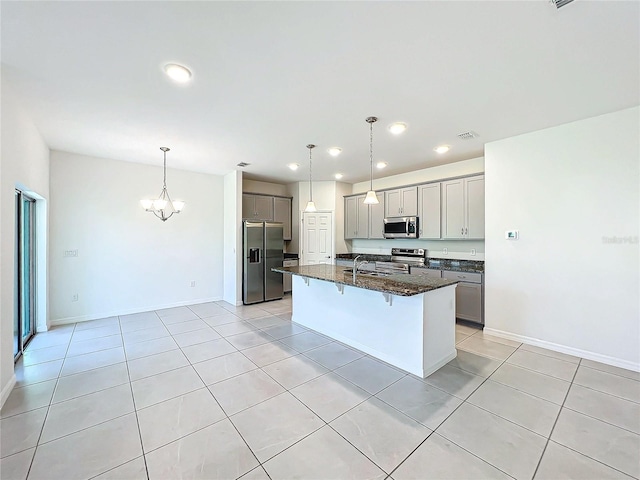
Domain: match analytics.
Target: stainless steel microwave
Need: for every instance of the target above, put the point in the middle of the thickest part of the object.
(401, 227)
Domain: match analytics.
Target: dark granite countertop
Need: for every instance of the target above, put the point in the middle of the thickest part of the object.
(290, 256)
(470, 266)
(400, 284)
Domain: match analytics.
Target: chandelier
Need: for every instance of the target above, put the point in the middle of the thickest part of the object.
(163, 207)
(371, 198)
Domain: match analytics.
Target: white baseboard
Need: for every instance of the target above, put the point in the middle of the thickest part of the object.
(596, 357)
(96, 316)
(6, 390)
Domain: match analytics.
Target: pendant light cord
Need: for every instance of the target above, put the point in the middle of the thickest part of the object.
(310, 146)
(371, 156)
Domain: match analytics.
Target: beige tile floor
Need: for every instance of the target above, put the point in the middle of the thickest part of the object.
(216, 391)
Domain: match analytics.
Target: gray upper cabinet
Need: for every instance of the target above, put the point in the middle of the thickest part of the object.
(401, 202)
(376, 218)
(268, 208)
(282, 214)
(356, 218)
(429, 210)
(474, 189)
(257, 207)
(463, 208)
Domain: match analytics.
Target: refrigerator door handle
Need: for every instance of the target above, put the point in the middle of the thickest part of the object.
(254, 255)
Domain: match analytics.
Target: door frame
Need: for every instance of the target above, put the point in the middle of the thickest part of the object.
(333, 235)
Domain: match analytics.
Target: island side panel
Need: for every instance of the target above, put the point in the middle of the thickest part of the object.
(363, 319)
(439, 331)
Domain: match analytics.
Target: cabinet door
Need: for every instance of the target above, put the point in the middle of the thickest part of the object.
(453, 211)
(376, 218)
(248, 207)
(264, 207)
(409, 202)
(392, 203)
(282, 214)
(429, 210)
(469, 302)
(474, 203)
(350, 217)
(363, 217)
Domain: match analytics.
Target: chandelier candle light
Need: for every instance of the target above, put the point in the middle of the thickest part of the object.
(163, 207)
(371, 198)
(311, 206)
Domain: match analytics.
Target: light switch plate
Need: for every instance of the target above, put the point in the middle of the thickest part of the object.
(512, 234)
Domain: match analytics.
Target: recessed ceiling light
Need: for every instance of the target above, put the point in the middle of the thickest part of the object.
(381, 164)
(338, 176)
(442, 148)
(397, 128)
(293, 166)
(334, 151)
(177, 73)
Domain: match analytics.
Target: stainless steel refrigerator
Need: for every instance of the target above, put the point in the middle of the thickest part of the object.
(262, 250)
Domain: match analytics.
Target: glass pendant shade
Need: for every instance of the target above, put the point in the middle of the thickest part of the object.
(146, 203)
(178, 205)
(311, 207)
(371, 198)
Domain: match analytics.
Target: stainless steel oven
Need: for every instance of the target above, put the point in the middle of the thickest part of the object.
(401, 227)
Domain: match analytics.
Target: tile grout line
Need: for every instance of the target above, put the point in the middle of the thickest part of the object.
(44, 422)
(556, 421)
(466, 401)
(135, 410)
(228, 418)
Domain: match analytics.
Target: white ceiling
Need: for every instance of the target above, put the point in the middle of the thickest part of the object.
(271, 77)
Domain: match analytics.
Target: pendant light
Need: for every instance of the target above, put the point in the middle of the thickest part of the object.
(371, 198)
(311, 207)
(163, 207)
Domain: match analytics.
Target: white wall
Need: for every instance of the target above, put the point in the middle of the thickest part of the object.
(458, 249)
(129, 260)
(568, 190)
(457, 169)
(324, 196)
(233, 183)
(341, 190)
(268, 188)
(24, 163)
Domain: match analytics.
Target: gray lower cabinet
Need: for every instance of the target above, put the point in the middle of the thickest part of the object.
(469, 295)
(286, 279)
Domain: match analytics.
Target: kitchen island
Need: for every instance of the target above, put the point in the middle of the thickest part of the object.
(407, 321)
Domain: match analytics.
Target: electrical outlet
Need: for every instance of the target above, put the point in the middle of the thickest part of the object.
(70, 253)
(473, 252)
(74, 297)
(445, 251)
(193, 283)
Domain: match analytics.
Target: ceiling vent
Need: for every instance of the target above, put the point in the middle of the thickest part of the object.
(560, 3)
(468, 135)
(243, 164)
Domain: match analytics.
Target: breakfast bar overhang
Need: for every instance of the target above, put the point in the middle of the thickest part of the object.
(404, 320)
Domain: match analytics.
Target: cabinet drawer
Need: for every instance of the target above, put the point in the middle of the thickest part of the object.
(426, 272)
(462, 276)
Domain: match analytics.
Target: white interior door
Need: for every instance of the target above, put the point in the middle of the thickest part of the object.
(317, 238)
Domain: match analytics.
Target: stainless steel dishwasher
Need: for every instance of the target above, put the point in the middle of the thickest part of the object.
(286, 279)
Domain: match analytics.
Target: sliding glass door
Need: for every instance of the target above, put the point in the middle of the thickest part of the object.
(24, 276)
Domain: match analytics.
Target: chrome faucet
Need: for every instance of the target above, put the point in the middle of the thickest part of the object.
(357, 265)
